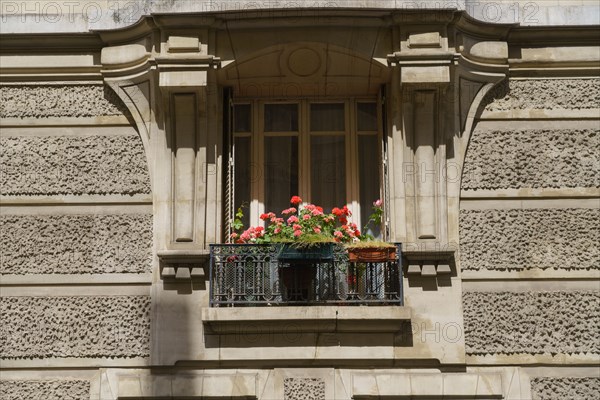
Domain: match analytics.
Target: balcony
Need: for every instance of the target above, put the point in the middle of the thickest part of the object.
(244, 275)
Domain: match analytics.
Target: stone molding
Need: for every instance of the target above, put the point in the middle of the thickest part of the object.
(74, 327)
(45, 101)
(75, 244)
(508, 383)
(521, 239)
(532, 323)
(73, 165)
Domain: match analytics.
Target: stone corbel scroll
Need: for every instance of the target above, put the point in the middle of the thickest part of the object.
(440, 81)
(166, 93)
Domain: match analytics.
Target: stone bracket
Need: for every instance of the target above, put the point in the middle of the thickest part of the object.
(429, 263)
(183, 265)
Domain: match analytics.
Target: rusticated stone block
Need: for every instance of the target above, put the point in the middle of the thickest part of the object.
(519, 239)
(75, 244)
(565, 388)
(73, 165)
(303, 389)
(56, 389)
(546, 94)
(75, 326)
(532, 159)
(44, 101)
(531, 322)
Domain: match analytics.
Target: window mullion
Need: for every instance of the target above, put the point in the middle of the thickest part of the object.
(353, 188)
(304, 145)
(258, 182)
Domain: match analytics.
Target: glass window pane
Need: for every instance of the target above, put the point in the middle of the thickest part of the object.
(368, 166)
(243, 177)
(328, 171)
(366, 116)
(281, 117)
(281, 172)
(327, 117)
(242, 118)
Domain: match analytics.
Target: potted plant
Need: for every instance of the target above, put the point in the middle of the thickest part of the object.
(302, 228)
(368, 249)
(306, 235)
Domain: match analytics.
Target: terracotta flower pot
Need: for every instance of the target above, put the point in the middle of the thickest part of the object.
(371, 254)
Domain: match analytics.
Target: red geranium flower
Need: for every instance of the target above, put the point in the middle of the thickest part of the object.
(296, 200)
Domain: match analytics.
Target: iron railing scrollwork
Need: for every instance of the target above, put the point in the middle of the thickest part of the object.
(252, 275)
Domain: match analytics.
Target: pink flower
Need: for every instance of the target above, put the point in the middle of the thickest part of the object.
(378, 203)
(297, 233)
(306, 217)
(292, 220)
(338, 234)
(277, 230)
(297, 227)
(287, 211)
(317, 230)
(234, 235)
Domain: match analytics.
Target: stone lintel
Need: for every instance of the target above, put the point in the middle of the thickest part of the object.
(307, 319)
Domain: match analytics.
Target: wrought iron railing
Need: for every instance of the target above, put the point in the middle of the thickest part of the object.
(253, 275)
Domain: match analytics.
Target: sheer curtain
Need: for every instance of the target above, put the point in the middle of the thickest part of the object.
(328, 171)
(281, 171)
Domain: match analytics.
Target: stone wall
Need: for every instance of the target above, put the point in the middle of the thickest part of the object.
(565, 388)
(304, 389)
(73, 165)
(75, 244)
(75, 326)
(518, 239)
(545, 94)
(531, 322)
(55, 389)
(502, 159)
(45, 101)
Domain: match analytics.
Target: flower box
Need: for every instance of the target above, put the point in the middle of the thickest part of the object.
(290, 252)
(371, 254)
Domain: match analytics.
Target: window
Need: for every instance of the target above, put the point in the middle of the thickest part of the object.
(328, 152)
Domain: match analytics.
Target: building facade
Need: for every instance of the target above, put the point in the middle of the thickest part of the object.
(131, 132)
